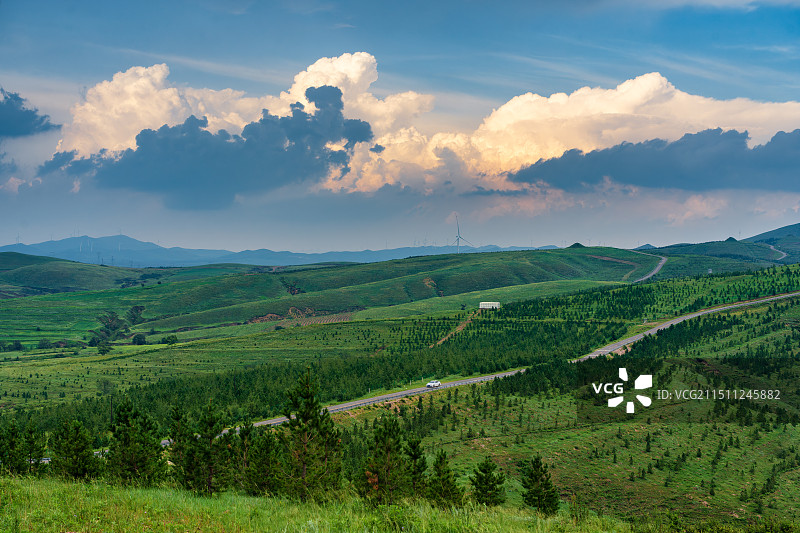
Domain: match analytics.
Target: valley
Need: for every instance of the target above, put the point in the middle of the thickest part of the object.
(243, 337)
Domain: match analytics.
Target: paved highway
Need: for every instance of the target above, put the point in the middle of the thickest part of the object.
(630, 340)
(601, 351)
(395, 396)
(655, 270)
(386, 397)
(783, 254)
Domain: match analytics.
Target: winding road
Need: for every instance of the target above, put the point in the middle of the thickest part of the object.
(600, 351)
(784, 254)
(655, 270)
(396, 396)
(677, 320)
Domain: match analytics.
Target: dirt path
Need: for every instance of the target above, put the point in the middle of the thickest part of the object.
(460, 327)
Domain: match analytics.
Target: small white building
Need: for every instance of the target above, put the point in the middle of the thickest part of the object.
(489, 305)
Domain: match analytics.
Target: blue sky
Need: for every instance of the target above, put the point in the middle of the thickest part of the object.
(612, 122)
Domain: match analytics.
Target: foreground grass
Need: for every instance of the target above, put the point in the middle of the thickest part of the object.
(47, 505)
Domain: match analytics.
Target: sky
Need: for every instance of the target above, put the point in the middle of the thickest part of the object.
(319, 125)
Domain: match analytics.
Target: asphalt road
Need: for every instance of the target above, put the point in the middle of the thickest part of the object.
(385, 398)
(630, 340)
(655, 270)
(783, 254)
(396, 395)
(600, 351)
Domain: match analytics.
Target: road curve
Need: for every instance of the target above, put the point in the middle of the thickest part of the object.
(655, 270)
(630, 340)
(467, 381)
(784, 254)
(395, 396)
(384, 398)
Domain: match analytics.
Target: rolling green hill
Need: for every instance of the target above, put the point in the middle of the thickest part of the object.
(321, 290)
(675, 462)
(728, 249)
(12, 260)
(29, 274)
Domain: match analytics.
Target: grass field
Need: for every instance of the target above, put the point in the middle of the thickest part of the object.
(700, 457)
(451, 304)
(85, 508)
(732, 249)
(701, 462)
(238, 298)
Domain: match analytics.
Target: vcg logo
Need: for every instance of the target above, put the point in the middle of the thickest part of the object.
(645, 381)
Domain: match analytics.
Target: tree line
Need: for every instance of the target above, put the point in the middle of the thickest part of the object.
(300, 459)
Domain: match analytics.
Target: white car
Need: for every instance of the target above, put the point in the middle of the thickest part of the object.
(433, 384)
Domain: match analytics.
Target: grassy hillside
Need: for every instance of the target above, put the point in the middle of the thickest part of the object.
(56, 275)
(734, 461)
(239, 298)
(12, 260)
(97, 507)
(729, 249)
(675, 463)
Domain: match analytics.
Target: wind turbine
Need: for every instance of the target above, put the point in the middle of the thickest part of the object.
(459, 238)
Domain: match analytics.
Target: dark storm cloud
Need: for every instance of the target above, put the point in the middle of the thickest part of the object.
(195, 169)
(711, 159)
(19, 120)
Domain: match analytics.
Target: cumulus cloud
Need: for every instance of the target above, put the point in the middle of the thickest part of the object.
(558, 138)
(18, 119)
(354, 74)
(711, 159)
(531, 128)
(696, 207)
(194, 168)
(113, 112)
(12, 185)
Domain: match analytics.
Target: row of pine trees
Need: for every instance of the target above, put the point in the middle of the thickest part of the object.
(301, 458)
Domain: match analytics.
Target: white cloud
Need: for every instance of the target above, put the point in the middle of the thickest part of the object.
(527, 128)
(114, 112)
(775, 206)
(697, 207)
(721, 4)
(538, 199)
(530, 127)
(12, 185)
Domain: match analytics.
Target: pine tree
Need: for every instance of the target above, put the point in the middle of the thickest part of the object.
(540, 493)
(310, 444)
(34, 443)
(488, 485)
(72, 452)
(198, 452)
(386, 476)
(418, 464)
(442, 489)
(181, 435)
(135, 453)
(254, 460)
(12, 457)
(208, 452)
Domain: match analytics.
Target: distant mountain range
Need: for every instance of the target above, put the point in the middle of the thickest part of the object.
(121, 250)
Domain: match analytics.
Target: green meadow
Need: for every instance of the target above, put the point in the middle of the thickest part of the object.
(240, 335)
